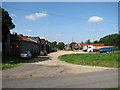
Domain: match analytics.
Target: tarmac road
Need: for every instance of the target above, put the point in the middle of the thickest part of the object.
(102, 79)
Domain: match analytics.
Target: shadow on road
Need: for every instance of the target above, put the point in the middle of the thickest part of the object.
(41, 58)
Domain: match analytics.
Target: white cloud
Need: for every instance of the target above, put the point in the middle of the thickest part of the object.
(57, 36)
(95, 19)
(29, 30)
(13, 15)
(36, 16)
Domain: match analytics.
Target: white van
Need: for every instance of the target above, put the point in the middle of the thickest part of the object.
(91, 48)
(85, 48)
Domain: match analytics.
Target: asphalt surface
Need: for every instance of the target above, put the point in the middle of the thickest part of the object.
(101, 79)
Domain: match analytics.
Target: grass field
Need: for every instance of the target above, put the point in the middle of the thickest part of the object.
(92, 59)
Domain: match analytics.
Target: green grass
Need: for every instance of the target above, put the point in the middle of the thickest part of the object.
(92, 59)
(10, 62)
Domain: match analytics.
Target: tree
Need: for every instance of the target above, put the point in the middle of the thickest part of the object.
(54, 44)
(113, 39)
(7, 24)
(61, 45)
(82, 42)
(96, 42)
(72, 44)
(88, 41)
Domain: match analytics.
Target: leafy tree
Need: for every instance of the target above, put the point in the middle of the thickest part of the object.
(82, 42)
(61, 45)
(0, 24)
(88, 41)
(96, 42)
(72, 44)
(113, 39)
(7, 24)
(54, 44)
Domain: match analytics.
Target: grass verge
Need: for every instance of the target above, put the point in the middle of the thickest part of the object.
(92, 59)
(10, 62)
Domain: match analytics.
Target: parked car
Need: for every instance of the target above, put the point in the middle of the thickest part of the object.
(26, 54)
(43, 52)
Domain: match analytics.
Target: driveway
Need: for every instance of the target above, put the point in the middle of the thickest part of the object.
(50, 65)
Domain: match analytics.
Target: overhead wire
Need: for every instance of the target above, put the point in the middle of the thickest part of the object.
(51, 14)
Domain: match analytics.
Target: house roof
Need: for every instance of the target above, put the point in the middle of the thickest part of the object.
(107, 46)
(77, 45)
(92, 44)
(35, 38)
(25, 38)
(99, 45)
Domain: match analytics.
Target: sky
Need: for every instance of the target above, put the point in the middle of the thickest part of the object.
(64, 21)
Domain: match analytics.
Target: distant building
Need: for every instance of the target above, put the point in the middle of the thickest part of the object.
(43, 44)
(28, 44)
(67, 47)
(37, 39)
(80, 46)
(76, 46)
(19, 43)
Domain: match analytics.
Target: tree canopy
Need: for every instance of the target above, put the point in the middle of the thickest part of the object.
(54, 44)
(7, 24)
(61, 45)
(112, 39)
(96, 41)
(88, 41)
(72, 44)
(82, 42)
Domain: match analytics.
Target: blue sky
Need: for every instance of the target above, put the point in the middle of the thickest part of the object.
(64, 20)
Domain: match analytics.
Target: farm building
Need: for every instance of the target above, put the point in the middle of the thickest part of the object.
(28, 44)
(19, 43)
(76, 46)
(84, 47)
